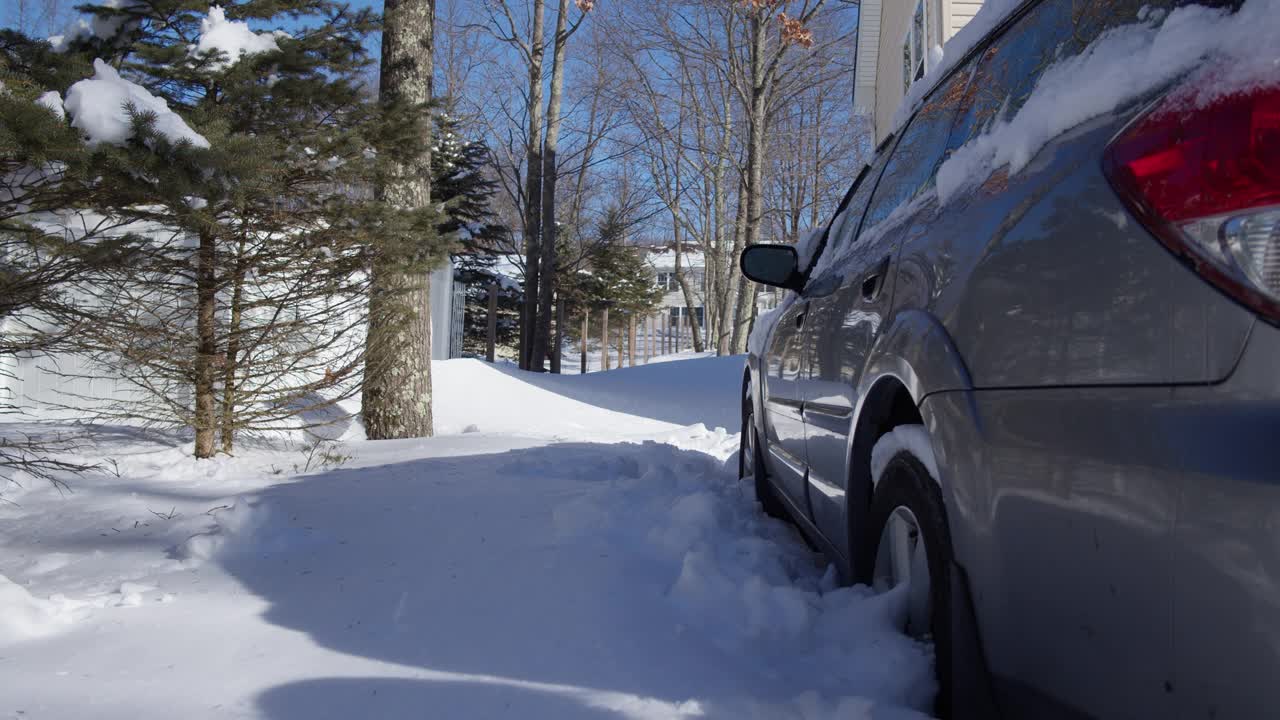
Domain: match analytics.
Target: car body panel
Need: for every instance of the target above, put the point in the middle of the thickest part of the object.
(783, 394)
(842, 331)
(1044, 278)
(1226, 547)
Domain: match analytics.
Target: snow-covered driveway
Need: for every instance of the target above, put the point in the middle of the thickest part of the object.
(582, 550)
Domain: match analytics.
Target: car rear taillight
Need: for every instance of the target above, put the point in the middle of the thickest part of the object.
(1206, 181)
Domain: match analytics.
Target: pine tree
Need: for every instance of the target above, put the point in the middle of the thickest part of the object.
(464, 193)
(44, 168)
(615, 275)
(243, 312)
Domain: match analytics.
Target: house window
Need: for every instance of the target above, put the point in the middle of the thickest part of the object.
(915, 46)
(680, 314)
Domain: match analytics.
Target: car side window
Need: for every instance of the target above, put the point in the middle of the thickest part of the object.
(845, 223)
(913, 166)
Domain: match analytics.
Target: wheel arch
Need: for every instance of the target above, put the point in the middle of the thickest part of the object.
(912, 359)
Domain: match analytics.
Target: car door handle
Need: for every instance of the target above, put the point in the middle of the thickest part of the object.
(873, 282)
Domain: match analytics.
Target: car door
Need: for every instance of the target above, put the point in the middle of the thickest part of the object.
(852, 299)
(783, 400)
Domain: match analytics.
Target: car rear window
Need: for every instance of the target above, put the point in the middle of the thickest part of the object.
(913, 166)
(1009, 68)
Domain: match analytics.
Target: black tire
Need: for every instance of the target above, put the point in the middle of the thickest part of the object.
(906, 482)
(764, 491)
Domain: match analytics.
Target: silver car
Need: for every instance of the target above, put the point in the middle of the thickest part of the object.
(1046, 412)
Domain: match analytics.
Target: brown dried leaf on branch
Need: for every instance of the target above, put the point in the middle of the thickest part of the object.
(794, 31)
(585, 5)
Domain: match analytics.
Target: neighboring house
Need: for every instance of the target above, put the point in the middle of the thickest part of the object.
(662, 258)
(29, 383)
(895, 39)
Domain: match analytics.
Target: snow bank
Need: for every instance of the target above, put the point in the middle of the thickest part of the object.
(98, 107)
(740, 581)
(237, 523)
(233, 38)
(23, 616)
(1120, 66)
(659, 397)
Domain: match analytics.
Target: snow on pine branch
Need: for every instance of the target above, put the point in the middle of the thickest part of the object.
(99, 107)
(101, 26)
(232, 38)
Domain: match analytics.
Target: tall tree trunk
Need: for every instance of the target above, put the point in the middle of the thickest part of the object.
(683, 282)
(604, 339)
(232, 359)
(733, 283)
(396, 398)
(206, 421)
(755, 178)
(533, 192)
(546, 290)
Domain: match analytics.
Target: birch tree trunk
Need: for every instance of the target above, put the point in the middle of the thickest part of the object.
(396, 399)
(533, 192)
(756, 120)
(547, 261)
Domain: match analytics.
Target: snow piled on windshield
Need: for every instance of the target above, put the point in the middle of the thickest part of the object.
(1119, 67)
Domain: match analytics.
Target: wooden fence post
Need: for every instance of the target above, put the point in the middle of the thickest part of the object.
(631, 339)
(489, 352)
(559, 346)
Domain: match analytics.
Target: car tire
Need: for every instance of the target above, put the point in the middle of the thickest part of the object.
(908, 516)
(750, 463)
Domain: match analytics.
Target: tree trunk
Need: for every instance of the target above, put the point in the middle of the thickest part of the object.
(231, 360)
(733, 282)
(683, 282)
(206, 421)
(558, 346)
(631, 340)
(604, 339)
(533, 193)
(586, 322)
(396, 398)
(756, 122)
(547, 280)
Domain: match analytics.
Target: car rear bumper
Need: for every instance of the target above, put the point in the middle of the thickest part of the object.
(1124, 528)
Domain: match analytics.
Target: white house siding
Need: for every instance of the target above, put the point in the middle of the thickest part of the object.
(40, 384)
(882, 93)
(895, 18)
(868, 53)
(441, 311)
(962, 11)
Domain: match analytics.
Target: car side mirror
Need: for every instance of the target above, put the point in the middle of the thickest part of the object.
(775, 265)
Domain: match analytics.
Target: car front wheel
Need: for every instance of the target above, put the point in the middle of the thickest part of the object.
(751, 466)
